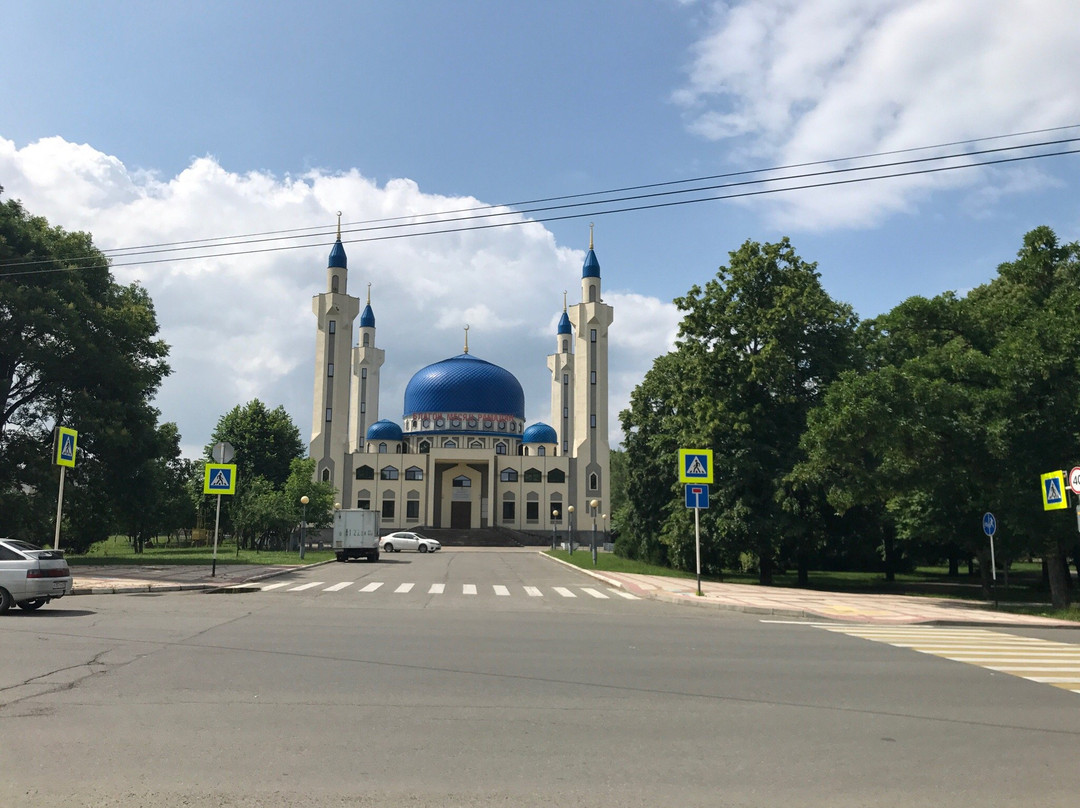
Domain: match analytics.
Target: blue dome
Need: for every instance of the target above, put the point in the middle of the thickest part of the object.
(539, 433)
(367, 317)
(564, 324)
(337, 256)
(591, 269)
(464, 384)
(384, 430)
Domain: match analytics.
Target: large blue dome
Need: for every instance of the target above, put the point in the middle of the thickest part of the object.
(464, 384)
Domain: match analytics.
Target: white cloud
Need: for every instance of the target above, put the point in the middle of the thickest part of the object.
(799, 81)
(241, 327)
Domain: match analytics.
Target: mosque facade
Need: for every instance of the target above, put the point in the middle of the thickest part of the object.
(463, 454)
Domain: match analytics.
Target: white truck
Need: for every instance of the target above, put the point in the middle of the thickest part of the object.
(356, 534)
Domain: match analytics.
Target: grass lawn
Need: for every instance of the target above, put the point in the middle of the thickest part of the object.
(117, 551)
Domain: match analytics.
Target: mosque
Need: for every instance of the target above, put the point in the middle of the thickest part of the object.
(463, 455)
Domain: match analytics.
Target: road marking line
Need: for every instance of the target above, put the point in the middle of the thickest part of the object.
(468, 589)
(339, 587)
(566, 593)
(302, 587)
(626, 595)
(594, 593)
(437, 589)
(268, 587)
(501, 591)
(402, 588)
(534, 592)
(372, 586)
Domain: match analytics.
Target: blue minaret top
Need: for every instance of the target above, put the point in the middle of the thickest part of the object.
(337, 257)
(591, 269)
(564, 324)
(367, 316)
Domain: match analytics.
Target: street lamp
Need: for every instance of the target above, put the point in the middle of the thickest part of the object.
(603, 526)
(593, 505)
(570, 528)
(303, 523)
(554, 519)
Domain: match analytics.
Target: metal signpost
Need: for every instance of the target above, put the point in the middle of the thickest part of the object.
(220, 478)
(989, 524)
(696, 469)
(697, 497)
(64, 443)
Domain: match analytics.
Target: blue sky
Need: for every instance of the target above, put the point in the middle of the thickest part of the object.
(148, 123)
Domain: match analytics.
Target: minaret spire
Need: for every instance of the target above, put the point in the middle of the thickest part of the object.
(368, 292)
(466, 338)
(564, 300)
(339, 226)
(590, 232)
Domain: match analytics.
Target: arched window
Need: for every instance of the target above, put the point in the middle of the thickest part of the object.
(508, 508)
(500, 448)
(382, 448)
(532, 508)
(425, 447)
(388, 473)
(365, 473)
(367, 340)
(594, 482)
(541, 451)
(388, 505)
(414, 473)
(556, 476)
(508, 476)
(326, 475)
(450, 444)
(363, 499)
(334, 283)
(592, 294)
(533, 476)
(462, 481)
(412, 506)
(476, 444)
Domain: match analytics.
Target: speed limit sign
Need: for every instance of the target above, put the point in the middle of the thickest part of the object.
(1074, 480)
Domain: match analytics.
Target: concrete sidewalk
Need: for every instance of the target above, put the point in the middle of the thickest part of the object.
(802, 604)
(808, 604)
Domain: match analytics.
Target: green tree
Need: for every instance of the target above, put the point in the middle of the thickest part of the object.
(757, 347)
(75, 349)
(266, 441)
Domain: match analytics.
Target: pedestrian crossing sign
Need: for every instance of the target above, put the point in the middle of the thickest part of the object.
(695, 466)
(1053, 491)
(220, 478)
(66, 440)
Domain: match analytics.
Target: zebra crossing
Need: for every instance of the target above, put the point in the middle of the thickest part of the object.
(1044, 661)
(404, 588)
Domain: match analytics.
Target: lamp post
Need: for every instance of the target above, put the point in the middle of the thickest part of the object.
(554, 519)
(593, 505)
(570, 528)
(303, 524)
(603, 526)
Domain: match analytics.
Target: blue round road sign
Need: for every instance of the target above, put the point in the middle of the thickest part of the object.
(989, 524)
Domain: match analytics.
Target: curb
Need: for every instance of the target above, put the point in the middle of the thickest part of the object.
(208, 588)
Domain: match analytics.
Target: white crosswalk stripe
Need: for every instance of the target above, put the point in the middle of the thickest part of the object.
(1043, 661)
(498, 590)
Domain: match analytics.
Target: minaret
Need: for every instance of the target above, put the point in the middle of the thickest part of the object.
(366, 361)
(589, 442)
(561, 365)
(335, 312)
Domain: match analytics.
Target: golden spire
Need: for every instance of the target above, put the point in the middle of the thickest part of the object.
(590, 234)
(368, 289)
(466, 338)
(339, 228)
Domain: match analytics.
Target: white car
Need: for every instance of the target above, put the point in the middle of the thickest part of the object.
(31, 576)
(404, 540)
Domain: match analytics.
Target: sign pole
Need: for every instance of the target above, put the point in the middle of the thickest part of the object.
(59, 508)
(697, 547)
(217, 519)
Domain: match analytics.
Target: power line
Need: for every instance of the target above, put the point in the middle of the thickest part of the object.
(596, 206)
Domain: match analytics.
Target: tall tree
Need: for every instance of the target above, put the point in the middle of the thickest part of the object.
(757, 347)
(266, 441)
(75, 348)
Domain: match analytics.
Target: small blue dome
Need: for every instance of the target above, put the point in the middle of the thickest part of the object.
(337, 257)
(591, 269)
(539, 433)
(367, 317)
(384, 430)
(464, 384)
(564, 324)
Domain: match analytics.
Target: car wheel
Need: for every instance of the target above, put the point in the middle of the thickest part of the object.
(33, 605)
(5, 600)
(388, 547)
(422, 548)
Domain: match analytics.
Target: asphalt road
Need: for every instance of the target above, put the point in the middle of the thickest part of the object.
(346, 693)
